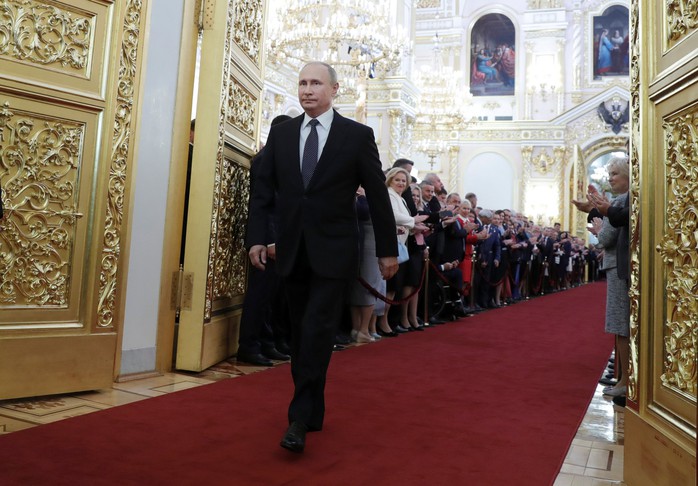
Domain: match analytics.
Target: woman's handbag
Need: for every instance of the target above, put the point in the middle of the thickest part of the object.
(402, 253)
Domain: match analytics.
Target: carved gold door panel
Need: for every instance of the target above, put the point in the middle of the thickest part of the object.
(68, 79)
(660, 424)
(227, 125)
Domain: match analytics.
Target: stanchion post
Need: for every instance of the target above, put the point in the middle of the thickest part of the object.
(426, 285)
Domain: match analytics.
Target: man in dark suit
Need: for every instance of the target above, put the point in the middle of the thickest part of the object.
(311, 169)
(488, 258)
(257, 339)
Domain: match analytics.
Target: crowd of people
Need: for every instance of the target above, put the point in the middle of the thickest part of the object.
(322, 213)
(460, 259)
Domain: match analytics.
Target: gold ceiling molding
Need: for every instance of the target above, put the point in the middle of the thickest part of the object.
(248, 15)
(41, 33)
(681, 19)
(40, 172)
(678, 251)
(119, 165)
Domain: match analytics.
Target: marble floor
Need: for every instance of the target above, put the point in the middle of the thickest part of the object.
(595, 457)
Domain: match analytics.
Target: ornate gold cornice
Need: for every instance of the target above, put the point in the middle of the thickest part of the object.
(34, 32)
(119, 165)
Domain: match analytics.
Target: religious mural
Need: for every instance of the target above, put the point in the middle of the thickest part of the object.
(611, 45)
(493, 56)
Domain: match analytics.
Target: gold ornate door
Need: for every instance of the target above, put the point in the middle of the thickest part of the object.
(660, 423)
(227, 124)
(68, 84)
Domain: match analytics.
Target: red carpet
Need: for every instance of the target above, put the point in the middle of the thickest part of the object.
(491, 400)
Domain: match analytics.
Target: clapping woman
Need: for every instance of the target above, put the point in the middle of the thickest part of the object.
(396, 180)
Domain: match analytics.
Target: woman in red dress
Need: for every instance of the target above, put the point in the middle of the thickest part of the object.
(467, 220)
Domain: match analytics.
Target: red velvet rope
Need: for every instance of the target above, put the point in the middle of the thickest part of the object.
(382, 297)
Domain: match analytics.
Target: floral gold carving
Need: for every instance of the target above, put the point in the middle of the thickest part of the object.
(230, 261)
(242, 108)
(40, 172)
(41, 33)
(119, 165)
(248, 27)
(682, 18)
(678, 250)
(634, 196)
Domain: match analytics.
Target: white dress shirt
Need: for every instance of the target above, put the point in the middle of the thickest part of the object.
(323, 131)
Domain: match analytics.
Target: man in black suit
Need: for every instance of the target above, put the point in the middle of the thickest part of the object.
(311, 169)
(257, 339)
(488, 258)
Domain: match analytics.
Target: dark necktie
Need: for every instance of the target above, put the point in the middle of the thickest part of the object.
(310, 153)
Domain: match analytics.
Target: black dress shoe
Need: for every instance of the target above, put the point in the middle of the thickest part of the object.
(294, 439)
(272, 353)
(382, 333)
(338, 347)
(255, 359)
(607, 381)
(436, 321)
(283, 348)
(399, 329)
(620, 401)
(342, 339)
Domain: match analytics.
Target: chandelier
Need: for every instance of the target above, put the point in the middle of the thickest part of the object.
(441, 109)
(356, 37)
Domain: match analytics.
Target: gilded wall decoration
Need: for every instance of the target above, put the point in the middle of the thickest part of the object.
(40, 165)
(227, 96)
(40, 33)
(428, 3)
(119, 165)
(678, 249)
(248, 27)
(681, 18)
(634, 196)
(242, 108)
(229, 276)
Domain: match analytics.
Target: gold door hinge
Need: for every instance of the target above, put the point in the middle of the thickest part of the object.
(182, 290)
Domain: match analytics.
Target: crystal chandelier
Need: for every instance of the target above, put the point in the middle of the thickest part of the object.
(355, 36)
(441, 109)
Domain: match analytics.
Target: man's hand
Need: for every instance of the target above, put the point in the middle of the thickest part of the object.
(388, 267)
(258, 256)
(271, 251)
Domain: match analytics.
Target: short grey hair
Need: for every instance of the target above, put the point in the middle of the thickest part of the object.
(621, 163)
(334, 79)
(486, 213)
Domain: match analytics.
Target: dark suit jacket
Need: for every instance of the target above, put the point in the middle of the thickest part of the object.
(490, 249)
(323, 214)
(454, 243)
